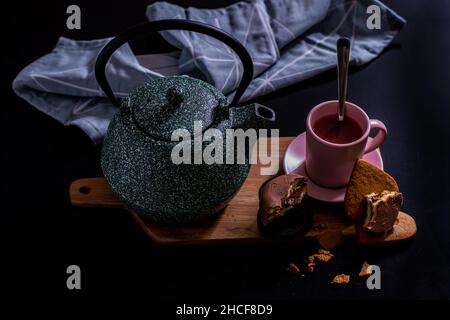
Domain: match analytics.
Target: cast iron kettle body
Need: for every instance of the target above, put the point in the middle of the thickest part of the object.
(136, 153)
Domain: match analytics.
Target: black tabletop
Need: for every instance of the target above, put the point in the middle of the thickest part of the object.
(407, 87)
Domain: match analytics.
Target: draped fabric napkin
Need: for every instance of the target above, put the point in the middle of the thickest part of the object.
(289, 41)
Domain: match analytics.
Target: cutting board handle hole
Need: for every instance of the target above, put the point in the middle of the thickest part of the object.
(84, 190)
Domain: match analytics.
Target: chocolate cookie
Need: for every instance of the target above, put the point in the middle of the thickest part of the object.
(284, 207)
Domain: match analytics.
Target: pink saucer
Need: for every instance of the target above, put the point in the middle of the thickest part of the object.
(294, 162)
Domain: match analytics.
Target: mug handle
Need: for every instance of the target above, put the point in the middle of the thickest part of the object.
(379, 138)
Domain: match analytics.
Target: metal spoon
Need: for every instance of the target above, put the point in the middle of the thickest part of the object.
(343, 56)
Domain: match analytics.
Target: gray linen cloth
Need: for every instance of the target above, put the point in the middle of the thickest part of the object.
(289, 41)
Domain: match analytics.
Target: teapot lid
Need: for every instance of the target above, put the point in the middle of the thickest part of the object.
(165, 104)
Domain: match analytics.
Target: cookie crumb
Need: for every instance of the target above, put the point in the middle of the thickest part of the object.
(341, 279)
(323, 257)
(311, 263)
(292, 268)
(365, 270)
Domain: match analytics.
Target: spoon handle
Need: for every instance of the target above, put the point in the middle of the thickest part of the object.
(343, 56)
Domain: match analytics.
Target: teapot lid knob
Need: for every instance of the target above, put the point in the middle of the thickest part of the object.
(174, 96)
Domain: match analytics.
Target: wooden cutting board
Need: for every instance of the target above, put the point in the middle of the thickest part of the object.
(236, 223)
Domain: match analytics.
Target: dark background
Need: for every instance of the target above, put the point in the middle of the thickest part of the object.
(408, 87)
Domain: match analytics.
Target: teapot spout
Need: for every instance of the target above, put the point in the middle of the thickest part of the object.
(253, 115)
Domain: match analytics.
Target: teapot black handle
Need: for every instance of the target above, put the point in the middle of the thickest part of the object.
(173, 24)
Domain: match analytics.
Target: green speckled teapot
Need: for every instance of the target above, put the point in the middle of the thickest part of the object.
(138, 151)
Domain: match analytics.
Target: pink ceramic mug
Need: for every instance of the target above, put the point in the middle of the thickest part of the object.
(330, 164)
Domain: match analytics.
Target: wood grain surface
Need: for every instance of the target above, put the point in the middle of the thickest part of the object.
(236, 223)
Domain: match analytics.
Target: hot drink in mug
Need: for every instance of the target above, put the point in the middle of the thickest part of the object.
(333, 146)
